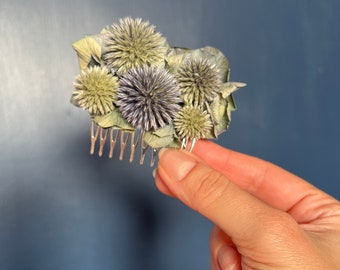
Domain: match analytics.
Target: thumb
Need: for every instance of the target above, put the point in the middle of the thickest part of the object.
(239, 214)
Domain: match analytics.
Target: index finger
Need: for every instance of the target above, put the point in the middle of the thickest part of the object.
(266, 181)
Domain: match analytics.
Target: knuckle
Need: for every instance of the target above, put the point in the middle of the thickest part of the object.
(279, 228)
(209, 187)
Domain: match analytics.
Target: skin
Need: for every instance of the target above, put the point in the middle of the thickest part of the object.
(264, 216)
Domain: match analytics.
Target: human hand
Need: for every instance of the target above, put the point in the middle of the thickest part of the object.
(265, 217)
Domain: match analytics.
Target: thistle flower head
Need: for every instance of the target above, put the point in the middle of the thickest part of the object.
(95, 90)
(148, 97)
(192, 122)
(199, 81)
(133, 43)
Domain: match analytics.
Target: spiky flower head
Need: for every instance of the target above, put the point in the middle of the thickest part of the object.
(199, 81)
(192, 123)
(133, 43)
(95, 90)
(148, 97)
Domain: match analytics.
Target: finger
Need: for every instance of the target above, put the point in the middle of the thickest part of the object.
(235, 211)
(213, 265)
(223, 252)
(218, 238)
(263, 179)
(228, 258)
(160, 185)
(260, 232)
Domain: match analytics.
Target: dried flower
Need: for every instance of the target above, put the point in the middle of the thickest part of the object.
(95, 90)
(148, 97)
(192, 123)
(133, 43)
(199, 81)
(141, 92)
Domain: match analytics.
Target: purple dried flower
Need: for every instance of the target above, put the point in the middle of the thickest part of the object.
(148, 97)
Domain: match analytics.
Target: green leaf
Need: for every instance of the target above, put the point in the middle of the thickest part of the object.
(165, 131)
(87, 49)
(230, 87)
(215, 56)
(221, 109)
(161, 137)
(94, 61)
(113, 119)
(157, 142)
(175, 58)
(224, 104)
(174, 144)
(230, 107)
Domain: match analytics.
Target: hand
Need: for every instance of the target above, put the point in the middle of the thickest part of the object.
(265, 217)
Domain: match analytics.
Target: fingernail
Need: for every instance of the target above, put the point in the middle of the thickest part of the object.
(175, 163)
(225, 258)
(154, 173)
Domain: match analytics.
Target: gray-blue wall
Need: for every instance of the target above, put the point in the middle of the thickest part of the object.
(61, 208)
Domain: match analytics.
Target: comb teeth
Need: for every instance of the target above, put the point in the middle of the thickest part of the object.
(188, 144)
(135, 138)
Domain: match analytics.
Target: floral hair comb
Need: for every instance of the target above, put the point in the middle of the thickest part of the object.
(140, 91)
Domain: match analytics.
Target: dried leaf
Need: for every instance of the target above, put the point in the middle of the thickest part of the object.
(165, 131)
(162, 137)
(217, 57)
(230, 107)
(88, 50)
(230, 87)
(175, 58)
(221, 109)
(113, 119)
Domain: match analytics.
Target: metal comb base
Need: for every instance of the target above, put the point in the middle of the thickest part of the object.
(134, 139)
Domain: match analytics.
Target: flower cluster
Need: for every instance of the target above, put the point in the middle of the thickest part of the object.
(137, 86)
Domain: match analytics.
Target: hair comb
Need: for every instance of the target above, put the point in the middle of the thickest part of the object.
(144, 94)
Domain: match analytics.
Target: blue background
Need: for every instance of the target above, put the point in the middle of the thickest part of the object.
(61, 208)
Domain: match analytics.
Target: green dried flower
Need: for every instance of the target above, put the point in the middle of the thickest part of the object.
(95, 90)
(133, 43)
(192, 123)
(199, 81)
